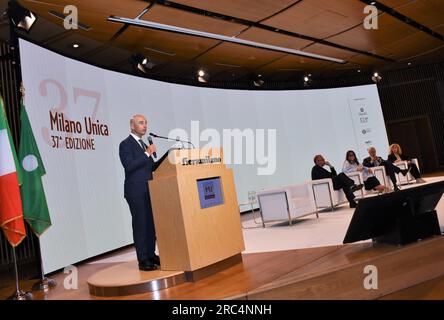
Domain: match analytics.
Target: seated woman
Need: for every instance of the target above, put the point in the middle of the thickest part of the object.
(351, 164)
(395, 156)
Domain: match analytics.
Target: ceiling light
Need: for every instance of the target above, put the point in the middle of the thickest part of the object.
(306, 79)
(376, 77)
(409, 64)
(165, 27)
(21, 18)
(202, 76)
(258, 81)
(75, 45)
(359, 70)
(141, 63)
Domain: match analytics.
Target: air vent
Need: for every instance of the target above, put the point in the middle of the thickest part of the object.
(171, 54)
(227, 65)
(61, 16)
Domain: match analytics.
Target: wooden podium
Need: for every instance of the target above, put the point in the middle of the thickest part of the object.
(190, 237)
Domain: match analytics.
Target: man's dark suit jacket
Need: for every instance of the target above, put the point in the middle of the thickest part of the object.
(138, 168)
(318, 173)
(369, 164)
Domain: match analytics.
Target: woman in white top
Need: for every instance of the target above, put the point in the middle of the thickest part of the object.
(351, 164)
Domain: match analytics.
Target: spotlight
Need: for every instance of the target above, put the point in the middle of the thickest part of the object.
(307, 80)
(202, 76)
(75, 45)
(258, 81)
(21, 18)
(141, 63)
(376, 77)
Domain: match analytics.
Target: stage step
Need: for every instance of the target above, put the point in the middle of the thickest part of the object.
(126, 279)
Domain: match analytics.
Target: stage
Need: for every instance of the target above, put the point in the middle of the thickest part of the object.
(304, 261)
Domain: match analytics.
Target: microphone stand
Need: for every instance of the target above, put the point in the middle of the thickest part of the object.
(171, 139)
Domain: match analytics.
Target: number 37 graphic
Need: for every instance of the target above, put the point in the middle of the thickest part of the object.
(62, 106)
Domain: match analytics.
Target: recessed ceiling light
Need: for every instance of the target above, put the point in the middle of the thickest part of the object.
(359, 70)
(201, 73)
(75, 45)
(409, 64)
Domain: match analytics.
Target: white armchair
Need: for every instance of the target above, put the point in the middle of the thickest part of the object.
(324, 194)
(358, 179)
(379, 173)
(400, 178)
(286, 203)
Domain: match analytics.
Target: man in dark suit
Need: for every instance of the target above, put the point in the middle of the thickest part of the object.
(390, 169)
(340, 181)
(137, 160)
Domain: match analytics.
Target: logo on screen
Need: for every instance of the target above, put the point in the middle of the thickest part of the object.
(209, 191)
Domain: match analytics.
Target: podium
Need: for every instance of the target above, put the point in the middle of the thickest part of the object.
(195, 211)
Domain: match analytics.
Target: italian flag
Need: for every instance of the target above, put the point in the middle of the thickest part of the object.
(11, 212)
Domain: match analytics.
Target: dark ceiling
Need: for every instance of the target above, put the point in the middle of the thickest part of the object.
(410, 32)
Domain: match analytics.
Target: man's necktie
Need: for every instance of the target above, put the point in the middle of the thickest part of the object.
(142, 144)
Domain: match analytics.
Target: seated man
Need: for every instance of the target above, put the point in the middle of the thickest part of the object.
(390, 169)
(340, 181)
(396, 155)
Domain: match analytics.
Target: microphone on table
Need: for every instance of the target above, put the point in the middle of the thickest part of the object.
(150, 141)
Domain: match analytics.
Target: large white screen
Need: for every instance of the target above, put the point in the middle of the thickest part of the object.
(84, 188)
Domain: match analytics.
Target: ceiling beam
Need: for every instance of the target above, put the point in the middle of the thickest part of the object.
(404, 19)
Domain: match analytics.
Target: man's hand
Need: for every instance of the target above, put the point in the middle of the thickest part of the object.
(327, 163)
(151, 149)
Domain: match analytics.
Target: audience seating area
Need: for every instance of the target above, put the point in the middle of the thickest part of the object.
(294, 201)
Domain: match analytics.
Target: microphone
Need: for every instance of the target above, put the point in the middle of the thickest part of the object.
(150, 141)
(166, 138)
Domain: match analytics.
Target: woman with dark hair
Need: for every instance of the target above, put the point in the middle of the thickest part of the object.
(351, 164)
(395, 155)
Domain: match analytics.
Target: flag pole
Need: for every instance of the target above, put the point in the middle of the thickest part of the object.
(44, 284)
(18, 294)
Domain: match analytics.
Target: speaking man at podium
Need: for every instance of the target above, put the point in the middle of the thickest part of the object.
(137, 160)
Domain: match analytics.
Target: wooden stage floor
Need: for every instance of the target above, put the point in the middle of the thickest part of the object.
(414, 271)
